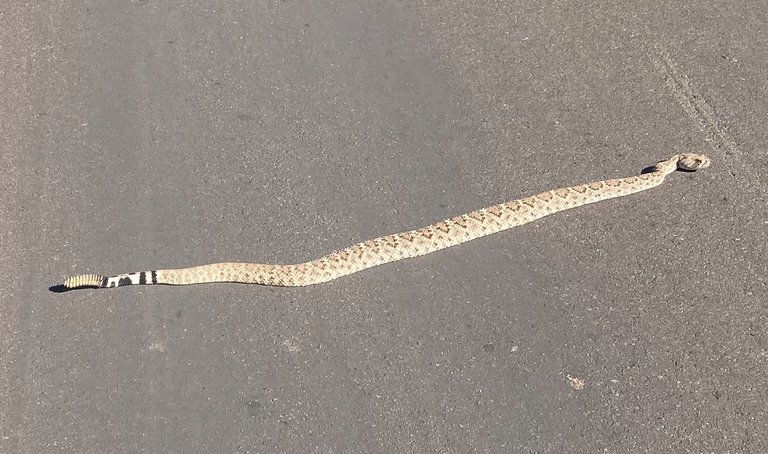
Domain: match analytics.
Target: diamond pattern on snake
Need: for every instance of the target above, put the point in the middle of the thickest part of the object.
(405, 245)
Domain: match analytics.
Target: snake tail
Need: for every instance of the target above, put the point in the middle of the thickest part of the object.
(120, 280)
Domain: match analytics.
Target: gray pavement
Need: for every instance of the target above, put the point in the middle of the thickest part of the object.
(144, 134)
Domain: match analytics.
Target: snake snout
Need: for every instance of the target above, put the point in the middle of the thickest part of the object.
(693, 162)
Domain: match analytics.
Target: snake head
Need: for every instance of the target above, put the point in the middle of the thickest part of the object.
(692, 162)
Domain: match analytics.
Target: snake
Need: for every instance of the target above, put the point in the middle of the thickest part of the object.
(404, 245)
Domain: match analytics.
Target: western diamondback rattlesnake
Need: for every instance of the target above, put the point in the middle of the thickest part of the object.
(414, 243)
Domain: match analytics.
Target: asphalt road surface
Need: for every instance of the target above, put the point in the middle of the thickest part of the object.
(150, 134)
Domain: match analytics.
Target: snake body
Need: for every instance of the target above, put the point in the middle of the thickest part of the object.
(400, 246)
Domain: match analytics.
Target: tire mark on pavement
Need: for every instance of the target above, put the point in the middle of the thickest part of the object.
(702, 114)
(695, 105)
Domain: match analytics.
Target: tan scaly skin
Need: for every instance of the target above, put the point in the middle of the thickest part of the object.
(399, 246)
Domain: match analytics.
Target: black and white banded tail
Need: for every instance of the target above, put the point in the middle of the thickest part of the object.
(96, 281)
